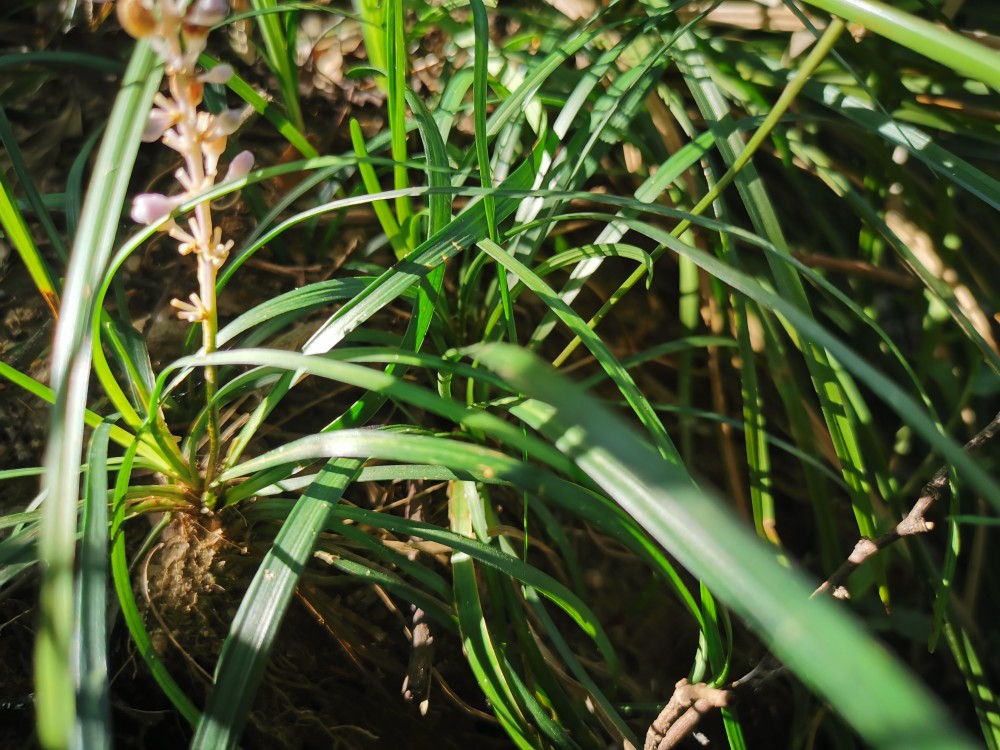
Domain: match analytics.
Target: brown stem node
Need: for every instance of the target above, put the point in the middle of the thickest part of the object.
(683, 712)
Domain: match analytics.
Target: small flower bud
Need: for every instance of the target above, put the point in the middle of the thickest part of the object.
(135, 18)
(149, 208)
(211, 152)
(228, 122)
(219, 74)
(207, 12)
(196, 89)
(193, 311)
(158, 123)
(240, 166)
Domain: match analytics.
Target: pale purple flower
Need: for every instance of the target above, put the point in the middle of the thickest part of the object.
(149, 208)
(218, 74)
(207, 12)
(228, 122)
(160, 120)
(240, 166)
(211, 152)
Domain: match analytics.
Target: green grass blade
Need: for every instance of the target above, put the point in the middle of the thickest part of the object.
(438, 169)
(248, 646)
(292, 305)
(859, 678)
(278, 34)
(805, 325)
(28, 186)
(479, 105)
(16, 229)
(389, 224)
(130, 350)
(618, 374)
(919, 144)
(60, 58)
(505, 562)
(397, 68)
(372, 13)
(481, 651)
(840, 418)
(122, 437)
(944, 46)
(271, 112)
(74, 181)
(93, 728)
(126, 599)
(70, 364)
(467, 228)
(383, 383)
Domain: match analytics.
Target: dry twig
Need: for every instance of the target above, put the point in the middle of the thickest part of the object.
(915, 522)
(683, 712)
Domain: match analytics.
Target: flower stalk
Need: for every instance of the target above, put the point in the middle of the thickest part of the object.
(178, 31)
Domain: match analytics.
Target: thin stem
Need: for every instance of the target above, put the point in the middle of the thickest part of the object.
(209, 329)
(915, 522)
(184, 88)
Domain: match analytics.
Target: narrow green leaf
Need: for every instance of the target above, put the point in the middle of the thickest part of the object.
(248, 646)
(279, 45)
(28, 186)
(397, 70)
(93, 728)
(126, 599)
(942, 45)
(16, 229)
(867, 686)
(56, 705)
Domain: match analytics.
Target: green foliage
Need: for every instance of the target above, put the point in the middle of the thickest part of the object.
(833, 309)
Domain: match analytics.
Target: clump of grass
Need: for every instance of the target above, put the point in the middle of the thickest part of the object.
(809, 346)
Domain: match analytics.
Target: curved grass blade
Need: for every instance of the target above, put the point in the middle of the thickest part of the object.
(18, 553)
(130, 350)
(479, 92)
(504, 562)
(279, 42)
(74, 181)
(269, 111)
(372, 16)
(382, 212)
(126, 599)
(28, 186)
(16, 229)
(792, 316)
(381, 383)
(827, 380)
(618, 374)
(438, 169)
(376, 575)
(248, 646)
(70, 375)
(122, 437)
(573, 498)
(947, 47)
(917, 143)
(485, 658)
(859, 678)
(301, 300)
(463, 230)
(942, 292)
(884, 388)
